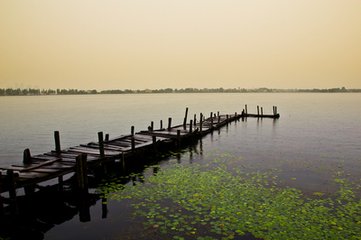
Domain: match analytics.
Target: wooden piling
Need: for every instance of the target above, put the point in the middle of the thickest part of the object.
(169, 123)
(151, 125)
(185, 118)
(211, 121)
(101, 144)
(11, 184)
(190, 126)
(132, 139)
(178, 137)
(219, 118)
(195, 120)
(81, 172)
(161, 124)
(257, 110)
(245, 109)
(201, 123)
(1, 200)
(57, 142)
(106, 137)
(27, 156)
(275, 110)
(261, 111)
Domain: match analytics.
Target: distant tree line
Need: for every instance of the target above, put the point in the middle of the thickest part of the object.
(36, 92)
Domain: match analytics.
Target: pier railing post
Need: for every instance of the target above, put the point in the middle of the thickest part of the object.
(27, 156)
(57, 142)
(185, 118)
(169, 123)
(132, 139)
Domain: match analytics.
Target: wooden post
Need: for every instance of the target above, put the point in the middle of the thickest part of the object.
(200, 123)
(262, 111)
(245, 109)
(82, 172)
(235, 114)
(1, 199)
(27, 156)
(60, 183)
(151, 125)
(185, 118)
(106, 137)
(12, 184)
(104, 208)
(101, 144)
(275, 110)
(190, 126)
(178, 137)
(211, 121)
(211, 115)
(154, 140)
(257, 110)
(132, 130)
(132, 139)
(227, 117)
(161, 124)
(219, 118)
(169, 123)
(195, 120)
(57, 142)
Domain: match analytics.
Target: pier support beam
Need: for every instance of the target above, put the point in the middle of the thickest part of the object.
(82, 173)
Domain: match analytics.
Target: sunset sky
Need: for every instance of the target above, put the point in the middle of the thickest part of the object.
(138, 44)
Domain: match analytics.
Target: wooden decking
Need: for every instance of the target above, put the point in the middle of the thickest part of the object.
(59, 162)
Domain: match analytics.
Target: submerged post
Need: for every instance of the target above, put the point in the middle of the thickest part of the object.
(57, 142)
(101, 144)
(169, 123)
(27, 156)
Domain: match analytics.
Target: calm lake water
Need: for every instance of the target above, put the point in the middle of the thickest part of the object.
(316, 136)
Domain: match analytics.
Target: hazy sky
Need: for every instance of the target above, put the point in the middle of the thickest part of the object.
(138, 44)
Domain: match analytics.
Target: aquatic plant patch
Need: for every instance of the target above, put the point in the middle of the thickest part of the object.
(188, 202)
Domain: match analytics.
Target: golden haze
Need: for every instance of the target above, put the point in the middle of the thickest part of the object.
(141, 44)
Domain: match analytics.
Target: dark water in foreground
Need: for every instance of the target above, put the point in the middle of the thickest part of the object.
(317, 137)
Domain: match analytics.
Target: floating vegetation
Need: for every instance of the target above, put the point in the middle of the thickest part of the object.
(187, 202)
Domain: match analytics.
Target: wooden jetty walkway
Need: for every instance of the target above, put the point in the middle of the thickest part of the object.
(79, 159)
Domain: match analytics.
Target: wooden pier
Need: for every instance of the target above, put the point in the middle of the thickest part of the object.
(84, 157)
